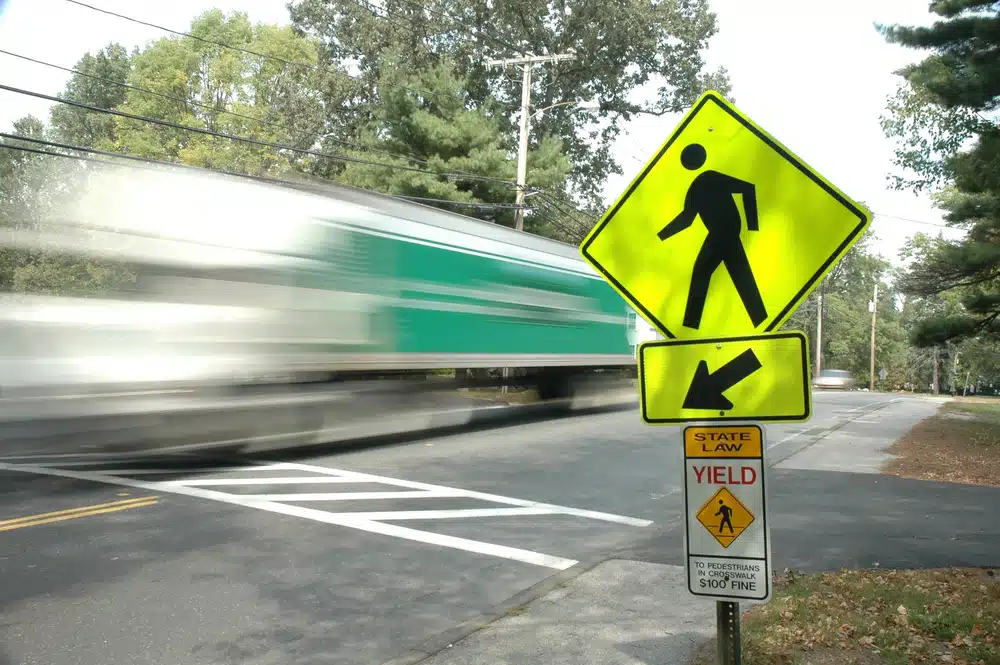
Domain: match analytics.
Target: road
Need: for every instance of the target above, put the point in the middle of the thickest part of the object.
(359, 556)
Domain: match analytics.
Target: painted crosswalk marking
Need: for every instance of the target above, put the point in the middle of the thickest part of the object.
(371, 521)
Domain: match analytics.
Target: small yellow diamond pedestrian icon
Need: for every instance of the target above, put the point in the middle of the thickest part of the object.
(725, 517)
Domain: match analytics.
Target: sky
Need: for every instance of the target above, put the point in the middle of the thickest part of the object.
(816, 75)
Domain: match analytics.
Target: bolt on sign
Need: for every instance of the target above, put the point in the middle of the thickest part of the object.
(726, 531)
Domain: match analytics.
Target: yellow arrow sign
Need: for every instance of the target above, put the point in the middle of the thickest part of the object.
(759, 377)
(725, 231)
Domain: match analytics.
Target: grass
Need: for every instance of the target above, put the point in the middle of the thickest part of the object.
(986, 408)
(961, 443)
(875, 617)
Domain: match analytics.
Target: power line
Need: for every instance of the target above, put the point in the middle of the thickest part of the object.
(114, 155)
(156, 162)
(562, 206)
(470, 204)
(252, 141)
(915, 221)
(294, 64)
(36, 151)
(209, 107)
(239, 49)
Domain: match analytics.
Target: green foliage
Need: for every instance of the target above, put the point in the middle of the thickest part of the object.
(44, 273)
(925, 134)
(619, 47)
(441, 130)
(77, 126)
(226, 91)
(32, 186)
(847, 320)
(941, 119)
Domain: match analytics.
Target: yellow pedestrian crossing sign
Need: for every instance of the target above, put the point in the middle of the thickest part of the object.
(725, 517)
(725, 231)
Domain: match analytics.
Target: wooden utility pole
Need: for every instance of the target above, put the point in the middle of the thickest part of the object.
(819, 330)
(954, 374)
(526, 63)
(935, 370)
(874, 308)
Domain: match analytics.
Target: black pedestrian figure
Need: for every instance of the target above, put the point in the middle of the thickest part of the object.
(710, 197)
(727, 516)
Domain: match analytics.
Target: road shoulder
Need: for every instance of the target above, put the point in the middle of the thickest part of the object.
(861, 443)
(616, 613)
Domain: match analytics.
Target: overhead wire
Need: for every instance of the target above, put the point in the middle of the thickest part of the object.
(253, 141)
(181, 100)
(471, 204)
(157, 162)
(281, 146)
(301, 64)
(915, 221)
(239, 49)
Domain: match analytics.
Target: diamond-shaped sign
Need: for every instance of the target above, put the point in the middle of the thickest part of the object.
(725, 517)
(725, 231)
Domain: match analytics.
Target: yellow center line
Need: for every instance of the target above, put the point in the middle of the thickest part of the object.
(73, 513)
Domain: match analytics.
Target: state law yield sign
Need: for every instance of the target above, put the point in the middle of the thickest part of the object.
(727, 536)
(725, 231)
(756, 377)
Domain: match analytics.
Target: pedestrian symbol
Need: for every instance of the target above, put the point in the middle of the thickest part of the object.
(711, 197)
(725, 232)
(725, 517)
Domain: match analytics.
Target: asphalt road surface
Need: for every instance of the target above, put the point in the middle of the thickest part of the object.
(354, 557)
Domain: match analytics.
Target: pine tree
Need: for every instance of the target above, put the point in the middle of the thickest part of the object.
(959, 79)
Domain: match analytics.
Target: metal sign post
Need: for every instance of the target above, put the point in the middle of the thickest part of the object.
(727, 625)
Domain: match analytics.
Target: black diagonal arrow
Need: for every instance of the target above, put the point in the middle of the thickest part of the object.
(707, 388)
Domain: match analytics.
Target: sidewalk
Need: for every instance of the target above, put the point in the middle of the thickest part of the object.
(617, 613)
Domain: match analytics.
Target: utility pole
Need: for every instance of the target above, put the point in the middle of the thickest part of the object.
(935, 370)
(819, 330)
(526, 63)
(954, 374)
(874, 310)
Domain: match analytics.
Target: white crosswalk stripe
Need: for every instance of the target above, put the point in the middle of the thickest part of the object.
(194, 484)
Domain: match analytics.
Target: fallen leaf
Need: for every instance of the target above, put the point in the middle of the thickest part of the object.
(957, 640)
(977, 630)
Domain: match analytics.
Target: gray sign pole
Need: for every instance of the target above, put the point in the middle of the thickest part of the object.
(727, 619)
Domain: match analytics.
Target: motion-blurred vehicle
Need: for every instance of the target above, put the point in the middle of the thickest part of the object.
(239, 283)
(835, 379)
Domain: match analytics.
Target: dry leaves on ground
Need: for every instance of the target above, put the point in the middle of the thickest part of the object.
(875, 617)
(960, 444)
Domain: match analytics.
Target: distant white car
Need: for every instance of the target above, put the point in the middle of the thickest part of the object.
(834, 379)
